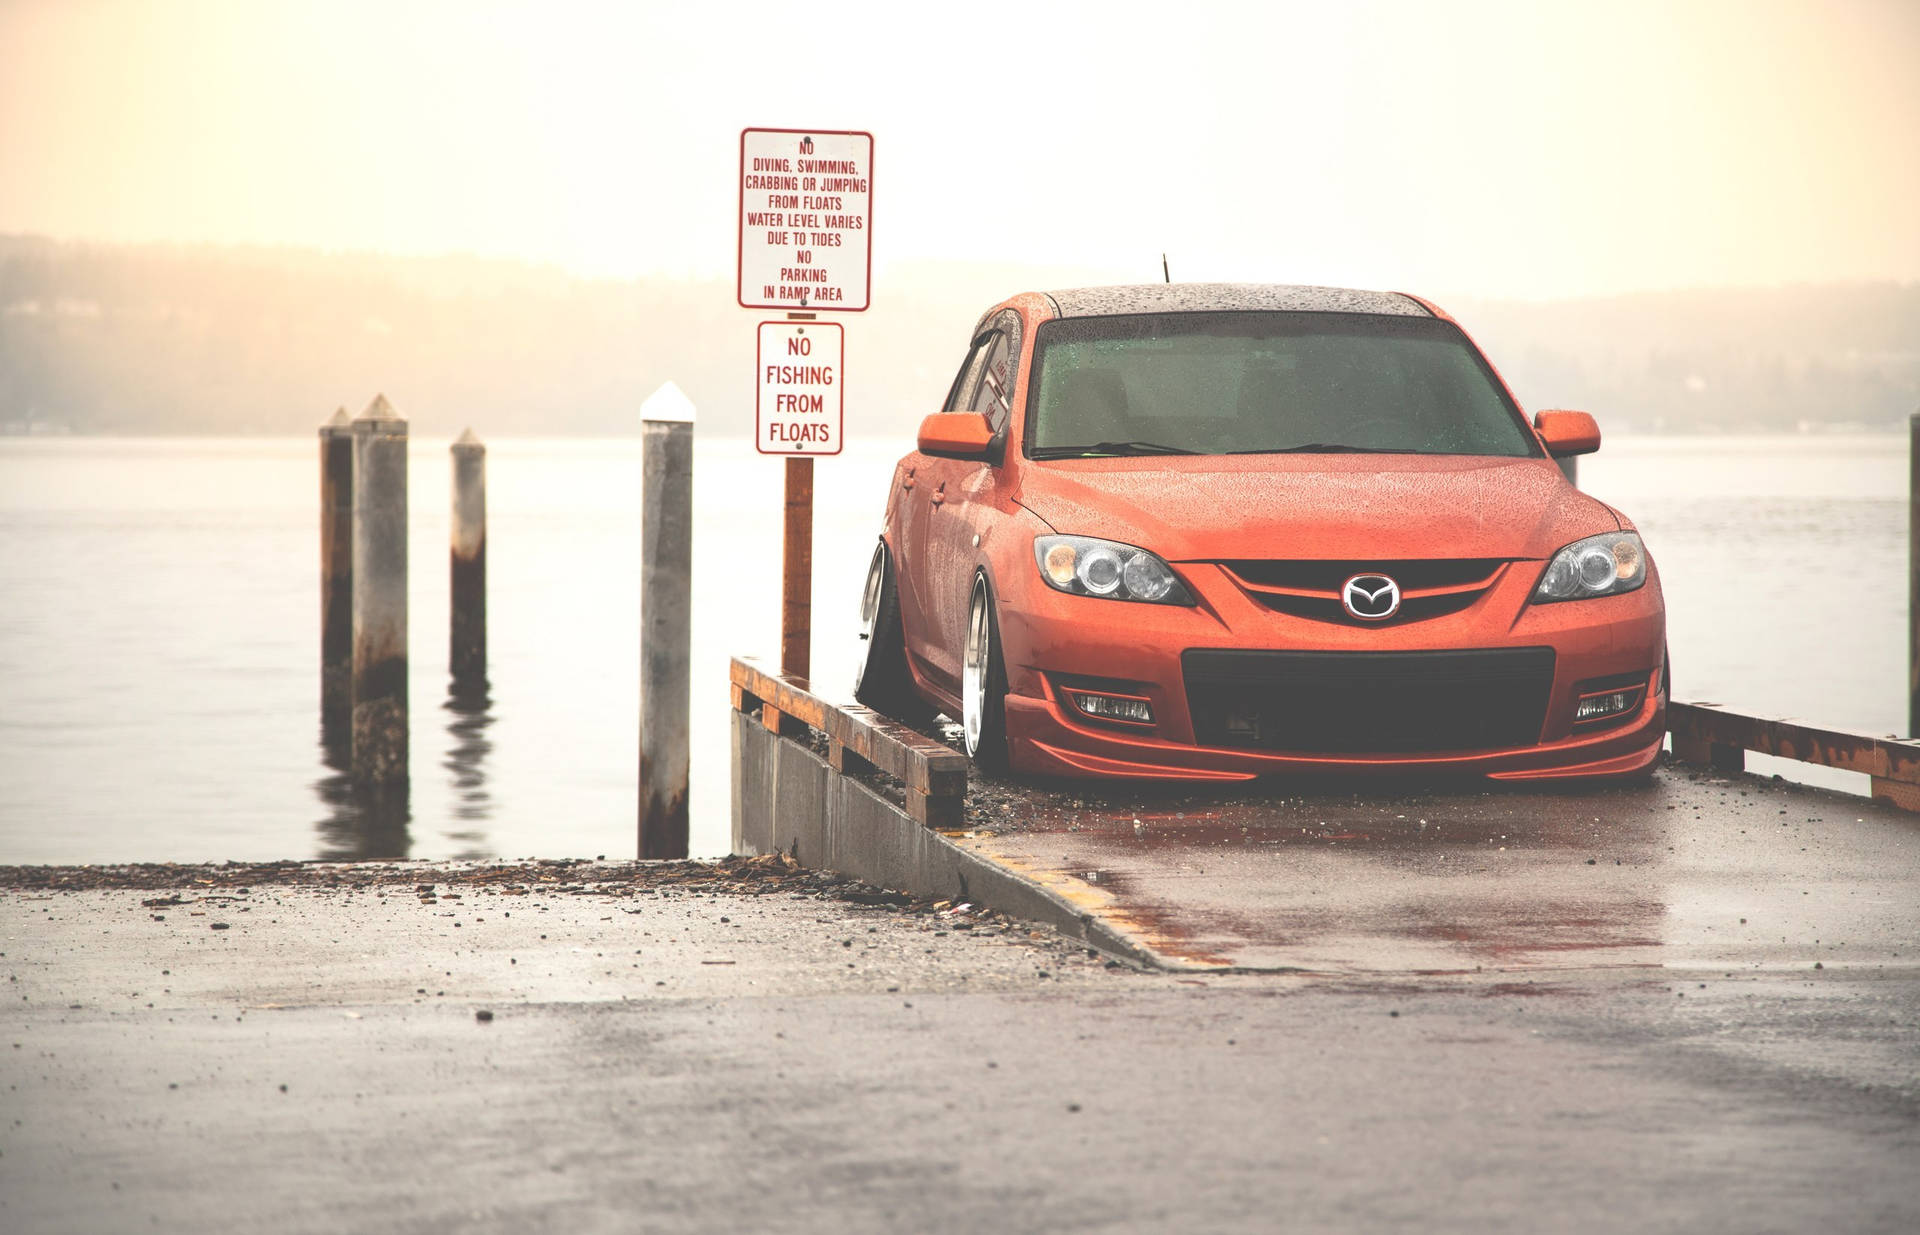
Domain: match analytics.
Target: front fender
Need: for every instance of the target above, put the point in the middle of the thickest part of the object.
(1005, 557)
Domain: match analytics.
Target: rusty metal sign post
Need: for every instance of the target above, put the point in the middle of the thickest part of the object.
(806, 243)
(796, 572)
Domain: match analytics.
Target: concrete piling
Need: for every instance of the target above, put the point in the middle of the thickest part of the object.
(666, 620)
(336, 579)
(380, 598)
(467, 638)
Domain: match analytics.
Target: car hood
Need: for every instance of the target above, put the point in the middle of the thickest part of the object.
(1382, 507)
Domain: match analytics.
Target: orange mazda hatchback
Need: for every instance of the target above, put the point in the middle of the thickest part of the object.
(1215, 531)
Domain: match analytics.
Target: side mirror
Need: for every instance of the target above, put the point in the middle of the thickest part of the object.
(956, 435)
(1567, 433)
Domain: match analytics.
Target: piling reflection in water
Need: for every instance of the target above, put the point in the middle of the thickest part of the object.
(470, 707)
(373, 824)
(360, 824)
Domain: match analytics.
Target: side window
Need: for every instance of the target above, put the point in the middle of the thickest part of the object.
(960, 396)
(994, 395)
(986, 378)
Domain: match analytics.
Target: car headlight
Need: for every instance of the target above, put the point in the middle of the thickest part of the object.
(1088, 566)
(1604, 565)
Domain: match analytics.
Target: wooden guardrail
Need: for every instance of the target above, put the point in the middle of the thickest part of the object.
(1705, 733)
(859, 740)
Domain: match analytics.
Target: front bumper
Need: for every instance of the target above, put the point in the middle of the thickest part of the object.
(1050, 640)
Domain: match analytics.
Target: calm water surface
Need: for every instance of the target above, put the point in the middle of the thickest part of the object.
(159, 613)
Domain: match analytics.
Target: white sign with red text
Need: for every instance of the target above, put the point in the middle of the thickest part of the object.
(801, 388)
(806, 220)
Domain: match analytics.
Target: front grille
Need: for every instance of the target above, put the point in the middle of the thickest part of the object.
(1368, 702)
(1412, 575)
(1429, 588)
(1329, 608)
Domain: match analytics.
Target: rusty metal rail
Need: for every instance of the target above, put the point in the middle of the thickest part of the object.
(1705, 733)
(859, 740)
(935, 775)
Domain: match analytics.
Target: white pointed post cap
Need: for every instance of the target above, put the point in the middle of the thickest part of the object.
(380, 409)
(337, 425)
(380, 420)
(468, 440)
(668, 403)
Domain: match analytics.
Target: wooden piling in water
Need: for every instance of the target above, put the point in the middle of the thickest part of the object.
(1913, 575)
(380, 597)
(336, 579)
(467, 635)
(666, 621)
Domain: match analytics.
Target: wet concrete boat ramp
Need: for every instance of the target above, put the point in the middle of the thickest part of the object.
(1684, 1007)
(1697, 869)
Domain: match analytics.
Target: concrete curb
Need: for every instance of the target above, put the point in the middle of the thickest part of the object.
(786, 799)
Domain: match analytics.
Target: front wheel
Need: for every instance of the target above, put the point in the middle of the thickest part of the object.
(881, 679)
(983, 684)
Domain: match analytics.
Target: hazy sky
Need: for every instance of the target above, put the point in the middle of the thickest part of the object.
(1510, 149)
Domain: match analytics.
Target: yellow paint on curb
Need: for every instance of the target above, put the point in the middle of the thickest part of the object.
(1090, 898)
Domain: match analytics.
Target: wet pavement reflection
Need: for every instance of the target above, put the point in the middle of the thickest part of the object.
(1459, 878)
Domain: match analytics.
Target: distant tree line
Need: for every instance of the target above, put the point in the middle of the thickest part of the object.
(1720, 360)
(166, 340)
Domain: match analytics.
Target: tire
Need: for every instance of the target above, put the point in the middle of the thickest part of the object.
(881, 679)
(983, 683)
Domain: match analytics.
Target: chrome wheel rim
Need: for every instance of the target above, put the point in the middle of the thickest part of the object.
(869, 612)
(973, 671)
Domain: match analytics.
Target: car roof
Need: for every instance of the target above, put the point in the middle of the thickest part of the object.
(1228, 297)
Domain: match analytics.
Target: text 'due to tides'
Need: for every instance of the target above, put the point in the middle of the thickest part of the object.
(806, 219)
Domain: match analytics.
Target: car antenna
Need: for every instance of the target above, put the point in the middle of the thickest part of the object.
(1163, 269)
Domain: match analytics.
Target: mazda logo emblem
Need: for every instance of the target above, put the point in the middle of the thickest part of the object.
(1371, 598)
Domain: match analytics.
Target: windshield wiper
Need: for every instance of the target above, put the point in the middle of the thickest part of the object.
(1110, 448)
(1326, 448)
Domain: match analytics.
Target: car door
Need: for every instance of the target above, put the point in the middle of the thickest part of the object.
(963, 511)
(923, 481)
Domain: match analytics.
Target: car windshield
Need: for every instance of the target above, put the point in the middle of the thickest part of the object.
(1256, 383)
